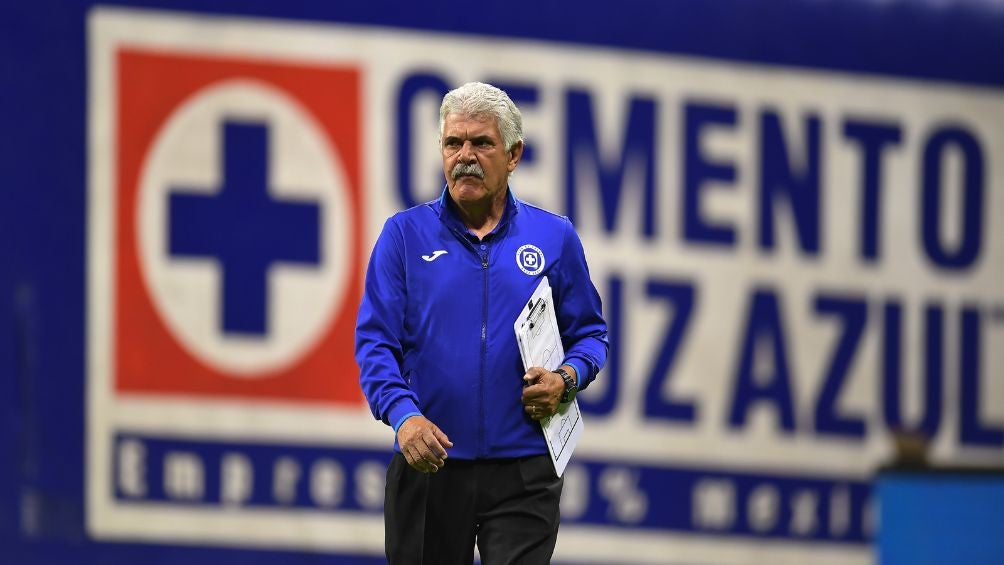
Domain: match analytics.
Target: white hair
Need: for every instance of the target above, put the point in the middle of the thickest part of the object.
(480, 99)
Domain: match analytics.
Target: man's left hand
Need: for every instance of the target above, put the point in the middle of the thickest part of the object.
(542, 392)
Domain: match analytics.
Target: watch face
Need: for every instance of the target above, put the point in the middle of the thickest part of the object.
(569, 395)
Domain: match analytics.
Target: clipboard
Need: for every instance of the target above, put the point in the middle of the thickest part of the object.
(540, 346)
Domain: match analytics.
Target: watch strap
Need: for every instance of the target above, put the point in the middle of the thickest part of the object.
(570, 385)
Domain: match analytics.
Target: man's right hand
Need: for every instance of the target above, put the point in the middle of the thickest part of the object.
(423, 444)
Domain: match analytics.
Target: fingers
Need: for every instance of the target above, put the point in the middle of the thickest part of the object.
(421, 459)
(424, 461)
(430, 452)
(414, 460)
(539, 412)
(533, 375)
(534, 387)
(435, 452)
(441, 436)
(540, 399)
(422, 444)
(547, 388)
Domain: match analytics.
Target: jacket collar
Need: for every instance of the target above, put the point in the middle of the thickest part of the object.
(448, 213)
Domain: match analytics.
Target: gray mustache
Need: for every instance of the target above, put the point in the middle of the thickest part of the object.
(462, 169)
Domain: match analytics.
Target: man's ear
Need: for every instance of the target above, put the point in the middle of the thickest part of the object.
(515, 154)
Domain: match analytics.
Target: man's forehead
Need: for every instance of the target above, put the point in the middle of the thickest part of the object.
(457, 121)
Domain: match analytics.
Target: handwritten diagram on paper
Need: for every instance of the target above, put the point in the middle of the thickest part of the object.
(540, 346)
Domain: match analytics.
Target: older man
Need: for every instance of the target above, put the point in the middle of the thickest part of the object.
(438, 356)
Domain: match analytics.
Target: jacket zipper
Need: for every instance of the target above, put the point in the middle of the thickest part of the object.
(483, 255)
(484, 351)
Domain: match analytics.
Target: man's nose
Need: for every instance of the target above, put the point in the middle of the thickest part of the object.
(467, 153)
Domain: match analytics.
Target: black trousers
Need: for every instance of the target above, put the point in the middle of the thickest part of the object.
(509, 507)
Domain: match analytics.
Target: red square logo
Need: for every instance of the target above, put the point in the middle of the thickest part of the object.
(237, 219)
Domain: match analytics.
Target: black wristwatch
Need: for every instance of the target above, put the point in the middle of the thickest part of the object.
(570, 387)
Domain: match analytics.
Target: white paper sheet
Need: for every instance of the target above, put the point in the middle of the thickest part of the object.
(540, 346)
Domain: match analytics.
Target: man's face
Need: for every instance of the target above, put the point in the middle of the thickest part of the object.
(470, 143)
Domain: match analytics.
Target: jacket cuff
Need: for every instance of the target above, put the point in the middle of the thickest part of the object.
(581, 376)
(401, 411)
(397, 425)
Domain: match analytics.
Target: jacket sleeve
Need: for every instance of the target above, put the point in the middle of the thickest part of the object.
(380, 331)
(580, 317)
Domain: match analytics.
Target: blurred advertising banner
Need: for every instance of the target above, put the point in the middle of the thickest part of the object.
(794, 264)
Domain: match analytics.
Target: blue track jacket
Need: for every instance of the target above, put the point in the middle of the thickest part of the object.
(435, 329)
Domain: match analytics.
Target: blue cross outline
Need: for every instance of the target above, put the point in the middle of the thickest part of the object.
(244, 228)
